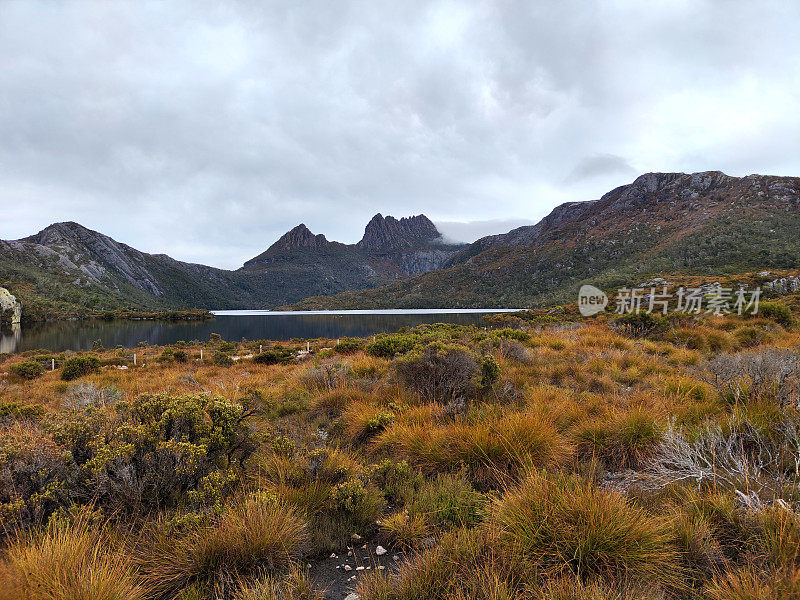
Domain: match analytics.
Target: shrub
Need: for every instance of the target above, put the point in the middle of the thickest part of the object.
(78, 366)
(772, 375)
(255, 535)
(780, 313)
(154, 450)
(67, 560)
(27, 370)
(13, 411)
(82, 394)
(222, 360)
(641, 324)
(387, 346)
(325, 376)
(274, 357)
(446, 502)
(34, 475)
(736, 457)
(445, 373)
(568, 526)
(396, 479)
(348, 346)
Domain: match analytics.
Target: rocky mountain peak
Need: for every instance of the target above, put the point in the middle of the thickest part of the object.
(297, 238)
(388, 233)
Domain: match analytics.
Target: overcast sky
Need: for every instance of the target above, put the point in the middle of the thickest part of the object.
(207, 129)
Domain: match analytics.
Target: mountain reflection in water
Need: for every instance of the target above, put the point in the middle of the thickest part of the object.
(231, 325)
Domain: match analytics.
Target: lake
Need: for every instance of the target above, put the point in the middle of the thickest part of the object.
(232, 325)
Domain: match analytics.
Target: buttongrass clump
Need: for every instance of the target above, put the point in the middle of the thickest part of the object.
(258, 535)
(565, 525)
(72, 558)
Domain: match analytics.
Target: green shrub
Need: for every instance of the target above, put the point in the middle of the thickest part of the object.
(348, 346)
(780, 313)
(27, 370)
(447, 501)
(180, 356)
(155, 450)
(78, 366)
(641, 324)
(15, 410)
(387, 346)
(396, 479)
(489, 374)
(512, 334)
(222, 360)
(274, 357)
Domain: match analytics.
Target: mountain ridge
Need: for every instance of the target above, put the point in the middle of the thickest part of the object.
(701, 221)
(67, 268)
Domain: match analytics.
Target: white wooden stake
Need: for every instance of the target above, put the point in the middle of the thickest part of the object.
(308, 346)
(53, 365)
(259, 348)
(337, 341)
(134, 358)
(201, 354)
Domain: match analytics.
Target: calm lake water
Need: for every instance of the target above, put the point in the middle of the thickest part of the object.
(232, 325)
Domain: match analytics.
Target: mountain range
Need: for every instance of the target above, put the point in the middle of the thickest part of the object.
(67, 269)
(704, 223)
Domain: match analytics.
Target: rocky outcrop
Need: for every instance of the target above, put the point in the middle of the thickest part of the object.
(387, 233)
(783, 285)
(390, 249)
(10, 309)
(297, 238)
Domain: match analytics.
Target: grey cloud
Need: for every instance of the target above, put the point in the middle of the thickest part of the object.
(469, 231)
(206, 129)
(600, 165)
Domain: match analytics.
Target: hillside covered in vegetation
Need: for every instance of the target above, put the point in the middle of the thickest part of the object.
(706, 224)
(545, 456)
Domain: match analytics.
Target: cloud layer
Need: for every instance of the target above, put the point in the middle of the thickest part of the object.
(207, 129)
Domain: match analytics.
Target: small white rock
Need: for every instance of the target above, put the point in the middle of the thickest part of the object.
(359, 568)
(348, 568)
(395, 557)
(381, 567)
(351, 597)
(333, 555)
(380, 550)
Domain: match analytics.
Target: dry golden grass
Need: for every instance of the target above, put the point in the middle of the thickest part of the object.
(69, 560)
(575, 410)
